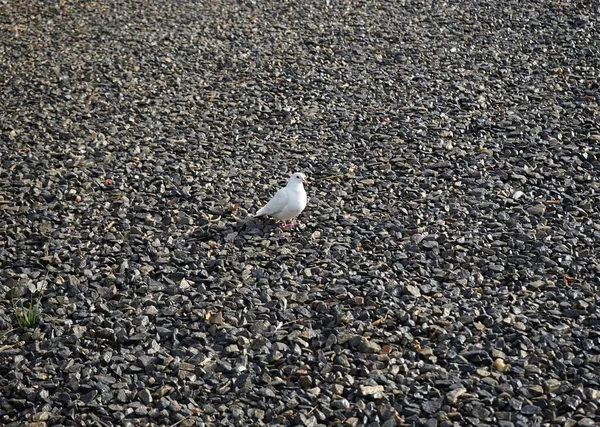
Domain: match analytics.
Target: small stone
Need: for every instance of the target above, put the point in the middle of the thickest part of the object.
(107, 292)
(481, 412)
(41, 416)
(337, 389)
(516, 404)
(551, 385)
(592, 394)
(165, 390)
(453, 395)
(305, 381)
(562, 329)
(430, 244)
(483, 372)
(145, 396)
(341, 404)
(306, 421)
(536, 390)
(367, 346)
(106, 333)
(315, 391)
(151, 310)
(216, 318)
(184, 219)
(174, 406)
(243, 381)
(412, 290)
(376, 391)
(267, 392)
(537, 210)
(531, 410)
(498, 354)
(500, 365)
(432, 406)
(259, 413)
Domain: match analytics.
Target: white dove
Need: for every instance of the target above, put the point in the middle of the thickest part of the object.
(288, 202)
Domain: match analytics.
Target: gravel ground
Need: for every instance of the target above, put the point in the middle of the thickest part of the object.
(445, 271)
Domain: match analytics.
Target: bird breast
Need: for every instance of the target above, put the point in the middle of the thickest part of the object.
(296, 204)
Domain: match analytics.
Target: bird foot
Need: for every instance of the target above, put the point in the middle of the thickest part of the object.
(290, 224)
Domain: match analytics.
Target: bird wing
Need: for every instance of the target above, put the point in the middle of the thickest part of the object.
(276, 204)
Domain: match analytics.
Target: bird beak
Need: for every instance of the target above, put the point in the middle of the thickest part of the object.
(306, 181)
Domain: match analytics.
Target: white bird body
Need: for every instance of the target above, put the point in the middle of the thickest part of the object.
(288, 202)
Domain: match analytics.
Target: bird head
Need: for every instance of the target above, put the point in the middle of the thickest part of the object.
(297, 178)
